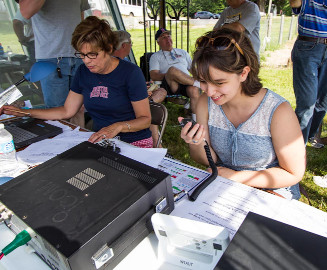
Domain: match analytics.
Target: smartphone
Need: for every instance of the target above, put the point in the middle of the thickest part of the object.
(185, 121)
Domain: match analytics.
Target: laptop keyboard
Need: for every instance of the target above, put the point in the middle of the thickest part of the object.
(19, 134)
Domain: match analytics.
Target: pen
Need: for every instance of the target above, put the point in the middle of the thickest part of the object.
(26, 113)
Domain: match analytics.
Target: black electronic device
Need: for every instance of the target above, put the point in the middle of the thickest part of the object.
(109, 144)
(89, 206)
(212, 164)
(27, 130)
(184, 121)
(264, 243)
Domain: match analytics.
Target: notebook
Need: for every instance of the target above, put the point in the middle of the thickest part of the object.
(26, 130)
(264, 243)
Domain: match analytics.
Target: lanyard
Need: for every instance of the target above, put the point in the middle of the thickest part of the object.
(173, 55)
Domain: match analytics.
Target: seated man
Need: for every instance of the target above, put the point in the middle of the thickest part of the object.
(158, 94)
(171, 66)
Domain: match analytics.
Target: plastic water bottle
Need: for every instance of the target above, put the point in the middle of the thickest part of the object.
(9, 50)
(9, 53)
(1, 50)
(8, 162)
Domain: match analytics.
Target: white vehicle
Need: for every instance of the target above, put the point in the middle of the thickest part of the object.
(131, 7)
(126, 7)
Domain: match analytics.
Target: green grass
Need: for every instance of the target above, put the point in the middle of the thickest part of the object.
(8, 37)
(274, 38)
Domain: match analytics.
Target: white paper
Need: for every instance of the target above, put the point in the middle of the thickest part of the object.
(149, 156)
(297, 214)
(44, 150)
(10, 95)
(62, 126)
(226, 203)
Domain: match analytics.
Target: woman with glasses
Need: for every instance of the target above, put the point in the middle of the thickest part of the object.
(113, 91)
(253, 133)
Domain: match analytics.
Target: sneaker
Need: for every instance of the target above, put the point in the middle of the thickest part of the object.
(315, 144)
(320, 181)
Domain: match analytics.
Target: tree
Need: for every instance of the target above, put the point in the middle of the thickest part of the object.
(261, 5)
(214, 6)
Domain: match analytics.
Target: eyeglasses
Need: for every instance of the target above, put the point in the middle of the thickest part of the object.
(205, 41)
(90, 55)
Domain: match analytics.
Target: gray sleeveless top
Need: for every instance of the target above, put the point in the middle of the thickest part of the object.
(249, 146)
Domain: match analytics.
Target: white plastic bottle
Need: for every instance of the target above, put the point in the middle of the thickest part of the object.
(8, 162)
(9, 50)
(9, 53)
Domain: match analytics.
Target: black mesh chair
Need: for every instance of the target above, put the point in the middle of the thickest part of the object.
(144, 65)
(159, 116)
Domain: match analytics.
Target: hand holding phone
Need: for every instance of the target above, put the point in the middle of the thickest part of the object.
(189, 135)
(184, 121)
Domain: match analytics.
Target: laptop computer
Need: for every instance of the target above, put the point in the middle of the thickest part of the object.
(27, 130)
(264, 243)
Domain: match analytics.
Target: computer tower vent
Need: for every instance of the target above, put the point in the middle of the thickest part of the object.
(121, 167)
(85, 179)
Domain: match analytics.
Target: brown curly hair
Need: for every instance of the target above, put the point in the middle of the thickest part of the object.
(229, 51)
(97, 32)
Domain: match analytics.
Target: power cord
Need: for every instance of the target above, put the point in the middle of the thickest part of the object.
(21, 239)
(212, 177)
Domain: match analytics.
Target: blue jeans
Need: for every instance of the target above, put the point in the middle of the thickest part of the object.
(289, 193)
(310, 85)
(55, 90)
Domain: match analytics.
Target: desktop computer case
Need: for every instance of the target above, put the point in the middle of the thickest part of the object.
(85, 200)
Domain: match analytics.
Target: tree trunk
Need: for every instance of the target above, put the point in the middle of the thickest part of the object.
(261, 4)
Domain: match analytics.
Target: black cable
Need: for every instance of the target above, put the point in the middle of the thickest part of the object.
(212, 177)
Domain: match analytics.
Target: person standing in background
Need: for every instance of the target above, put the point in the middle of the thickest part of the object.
(242, 16)
(309, 56)
(24, 32)
(53, 23)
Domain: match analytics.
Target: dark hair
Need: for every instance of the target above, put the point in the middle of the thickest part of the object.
(229, 51)
(97, 32)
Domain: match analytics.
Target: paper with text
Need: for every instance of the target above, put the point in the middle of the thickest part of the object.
(226, 203)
